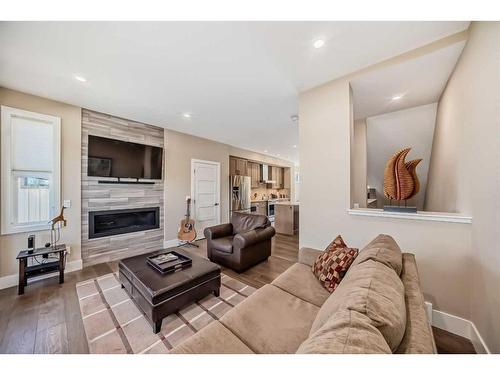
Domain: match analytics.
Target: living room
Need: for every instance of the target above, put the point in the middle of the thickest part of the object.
(241, 187)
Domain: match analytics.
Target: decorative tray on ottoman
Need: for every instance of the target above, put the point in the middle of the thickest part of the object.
(168, 261)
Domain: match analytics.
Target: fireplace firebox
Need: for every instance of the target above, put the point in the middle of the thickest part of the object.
(113, 222)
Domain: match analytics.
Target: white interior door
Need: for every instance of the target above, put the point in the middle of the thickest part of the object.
(205, 190)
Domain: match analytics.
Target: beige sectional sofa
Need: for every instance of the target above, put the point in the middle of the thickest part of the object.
(377, 308)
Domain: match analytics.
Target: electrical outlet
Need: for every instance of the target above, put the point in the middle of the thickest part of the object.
(67, 203)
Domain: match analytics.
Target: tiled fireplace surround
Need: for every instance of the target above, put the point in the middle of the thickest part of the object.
(99, 197)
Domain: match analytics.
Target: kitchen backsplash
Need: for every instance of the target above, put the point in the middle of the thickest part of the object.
(263, 193)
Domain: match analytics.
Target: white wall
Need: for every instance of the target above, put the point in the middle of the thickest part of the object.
(389, 133)
(465, 168)
(359, 161)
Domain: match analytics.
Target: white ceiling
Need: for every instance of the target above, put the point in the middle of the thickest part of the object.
(239, 80)
(419, 81)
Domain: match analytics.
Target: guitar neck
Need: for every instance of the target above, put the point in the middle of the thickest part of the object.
(188, 209)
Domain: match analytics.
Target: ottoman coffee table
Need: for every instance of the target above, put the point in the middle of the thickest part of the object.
(160, 295)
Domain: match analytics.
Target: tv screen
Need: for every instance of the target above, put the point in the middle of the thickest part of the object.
(113, 158)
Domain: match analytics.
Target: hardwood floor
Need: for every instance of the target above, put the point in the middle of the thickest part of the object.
(449, 343)
(46, 319)
(284, 253)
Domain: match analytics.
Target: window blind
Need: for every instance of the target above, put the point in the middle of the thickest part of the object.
(32, 145)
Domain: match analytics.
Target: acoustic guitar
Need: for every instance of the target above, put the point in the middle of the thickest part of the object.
(186, 229)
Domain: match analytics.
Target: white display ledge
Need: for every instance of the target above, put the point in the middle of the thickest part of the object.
(420, 215)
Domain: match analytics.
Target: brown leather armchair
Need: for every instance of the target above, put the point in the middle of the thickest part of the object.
(242, 243)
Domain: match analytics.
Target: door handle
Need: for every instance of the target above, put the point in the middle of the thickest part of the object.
(216, 204)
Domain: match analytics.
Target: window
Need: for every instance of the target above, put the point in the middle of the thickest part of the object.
(30, 188)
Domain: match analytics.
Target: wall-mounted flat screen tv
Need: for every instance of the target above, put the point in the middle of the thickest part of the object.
(113, 158)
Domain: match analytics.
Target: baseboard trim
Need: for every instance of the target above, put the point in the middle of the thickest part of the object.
(8, 281)
(12, 280)
(477, 341)
(461, 327)
(74, 265)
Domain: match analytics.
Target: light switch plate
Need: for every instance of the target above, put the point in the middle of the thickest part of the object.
(67, 203)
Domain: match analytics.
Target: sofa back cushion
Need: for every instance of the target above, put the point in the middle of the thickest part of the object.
(346, 332)
(372, 289)
(418, 337)
(382, 249)
(243, 222)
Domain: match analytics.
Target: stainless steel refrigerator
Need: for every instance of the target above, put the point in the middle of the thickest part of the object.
(239, 194)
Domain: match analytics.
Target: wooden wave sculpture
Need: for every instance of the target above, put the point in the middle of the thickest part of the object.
(400, 177)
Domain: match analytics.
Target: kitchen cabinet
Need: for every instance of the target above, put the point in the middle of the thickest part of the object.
(238, 167)
(254, 169)
(232, 166)
(287, 178)
(275, 176)
(286, 218)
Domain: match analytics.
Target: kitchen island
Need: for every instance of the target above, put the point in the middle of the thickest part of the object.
(286, 219)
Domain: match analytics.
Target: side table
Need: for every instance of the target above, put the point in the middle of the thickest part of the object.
(26, 272)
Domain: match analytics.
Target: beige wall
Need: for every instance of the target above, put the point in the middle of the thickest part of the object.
(465, 169)
(180, 149)
(443, 250)
(70, 177)
(359, 161)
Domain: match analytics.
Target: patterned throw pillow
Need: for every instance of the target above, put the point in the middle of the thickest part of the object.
(331, 266)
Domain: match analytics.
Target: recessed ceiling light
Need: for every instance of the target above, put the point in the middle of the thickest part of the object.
(396, 97)
(278, 154)
(266, 151)
(319, 43)
(294, 146)
(80, 78)
(186, 115)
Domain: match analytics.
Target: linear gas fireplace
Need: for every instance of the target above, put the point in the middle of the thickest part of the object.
(113, 222)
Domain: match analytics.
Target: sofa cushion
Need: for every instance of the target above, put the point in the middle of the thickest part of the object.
(418, 337)
(271, 320)
(308, 255)
(372, 289)
(243, 222)
(213, 339)
(346, 332)
(331, 266)
(224, 244)
(300, 281)
(382, 249)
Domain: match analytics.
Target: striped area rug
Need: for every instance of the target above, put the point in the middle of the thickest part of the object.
(114, 324)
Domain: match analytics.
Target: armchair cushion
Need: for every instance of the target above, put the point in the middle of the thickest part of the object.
(224, 244)
(218, 231)
(243, 222)
(251, 237)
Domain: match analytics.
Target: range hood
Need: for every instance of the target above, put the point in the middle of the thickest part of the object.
(265, 174)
